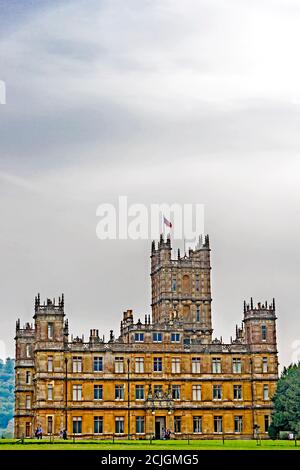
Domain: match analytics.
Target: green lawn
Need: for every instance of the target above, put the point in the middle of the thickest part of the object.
(10, 444)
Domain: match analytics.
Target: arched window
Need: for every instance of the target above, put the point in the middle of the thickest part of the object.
(186, 284)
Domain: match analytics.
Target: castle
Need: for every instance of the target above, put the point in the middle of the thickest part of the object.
(166, 373)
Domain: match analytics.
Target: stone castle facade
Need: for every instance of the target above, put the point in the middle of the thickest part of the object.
(166, 373)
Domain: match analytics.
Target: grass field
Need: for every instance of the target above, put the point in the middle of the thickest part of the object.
(10, 444)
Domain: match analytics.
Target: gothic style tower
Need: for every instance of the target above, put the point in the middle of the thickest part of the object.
(181, 289)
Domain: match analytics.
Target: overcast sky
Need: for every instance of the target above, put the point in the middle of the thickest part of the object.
(162, 101)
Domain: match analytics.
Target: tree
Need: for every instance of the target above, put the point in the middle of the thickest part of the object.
(286, 400)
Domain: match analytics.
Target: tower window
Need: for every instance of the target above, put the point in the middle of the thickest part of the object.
(50, 424)
(265, 364)
(28, 402)
(174, 284)
(197, 283)
(186, 285)
(28, 377)
(267, 422)
(28, 350)
(198, 314)
(50, 392)
(266, 392)
(50, 364)
(263, 332)
(50, 330)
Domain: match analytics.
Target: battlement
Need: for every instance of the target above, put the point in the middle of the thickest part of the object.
(259, 308)
(49, 306)
(27, 330)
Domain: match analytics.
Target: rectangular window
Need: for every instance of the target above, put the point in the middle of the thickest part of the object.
(175, 365)
(157, 337)
(50, 330)
(50, 425)
(98, 364)
(236, 365)
(28, 350)
(77, 425)
(218, 424)
(27, 429)
(139, 365)
(196, 364)
(197, 424)
(98, 424)
(139, 337)
(216, 365)
(157, 364)
(265, 365)
(119, 392)
(196, 392)
(198, 314)
(217, 392)
(175, 337)
(176, 392)
(266, 392)
(238, 424)
(139, 392)
(77, 364)
(119, 365)
(50, 364)
(98, 392)
(263, 332)
(28, 402)
(50, 392)
(237, 392)
(140, 424)
(157, 391)
(28, 377)
(119, 425)
(177, 424)
(197, 283)
(174, 284)
(266, 422)
(77, 392)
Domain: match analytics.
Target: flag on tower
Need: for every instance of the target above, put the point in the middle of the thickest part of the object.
(167, 222)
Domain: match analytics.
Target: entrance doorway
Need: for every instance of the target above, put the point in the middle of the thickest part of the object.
(160, 426)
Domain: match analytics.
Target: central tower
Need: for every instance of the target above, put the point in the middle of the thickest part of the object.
(181, 289)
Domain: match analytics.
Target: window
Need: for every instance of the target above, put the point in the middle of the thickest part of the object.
(238, 424)
(157, 337)
(175, 337)
(176, 392)
(174, 284)
(77, 364)
(196, 392)
(197, 424)
(177, 423)
(50, 330)
(158, 391)
(237, 392)
(50, 364)
(28, 377)
(98, 392)
(98, 364)
(50, 424)
(216, 365)
(139, 365)
(265, 364)
(218, 424)
(119, 392)
(175, 365)
(263, 332)
(77, 392)
(186, 285)
(77, 425)
(236, 365)
(119, 365)
(198, 314)
(139, 392)
(197, 283)
(266, 422)
(98, 424)
(140, 424)
(157, 364)
(50, 392)
(28, 350)
(196, 365)
(119, 425)
(217, 392)
(266, 392)
(28, 402)
(139, 337)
